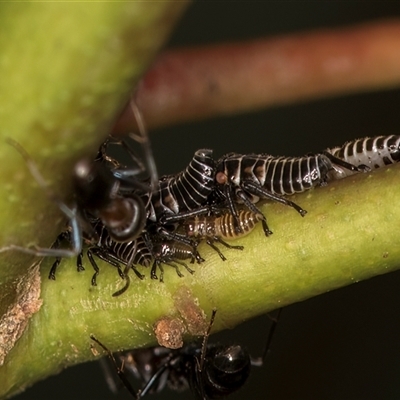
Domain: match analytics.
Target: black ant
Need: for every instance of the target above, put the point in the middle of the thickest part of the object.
(211, 371)
(98, 197)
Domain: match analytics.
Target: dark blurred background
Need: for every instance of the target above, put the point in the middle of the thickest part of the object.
(341, 345)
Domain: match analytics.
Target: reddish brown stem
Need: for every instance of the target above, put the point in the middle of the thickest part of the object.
(190, 84)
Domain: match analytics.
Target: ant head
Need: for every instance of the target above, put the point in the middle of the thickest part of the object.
(227, 369)
(94, 185)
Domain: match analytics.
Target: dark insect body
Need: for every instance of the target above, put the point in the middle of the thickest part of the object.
(176, 196)
(211, 371)
(145, 250)
(98, 197)
(142, 252)
(109, 191)
(172, 252)
(134, 252)
(372, 153)
(119, 222)
(185, 191)
(217, 228)
(249, 178)
(97, 193)
(106, 214)
(181, 196)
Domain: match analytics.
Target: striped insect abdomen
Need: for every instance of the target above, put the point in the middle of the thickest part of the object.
(373, 152)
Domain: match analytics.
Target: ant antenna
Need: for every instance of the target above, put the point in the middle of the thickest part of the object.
(71, 213)
(143, 139)
(205, 340)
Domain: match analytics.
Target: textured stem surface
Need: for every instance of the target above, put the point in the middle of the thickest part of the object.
(347, 236)
(66, 71)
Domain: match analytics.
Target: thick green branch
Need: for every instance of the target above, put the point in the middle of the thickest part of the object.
(66, 71)
(347, 236)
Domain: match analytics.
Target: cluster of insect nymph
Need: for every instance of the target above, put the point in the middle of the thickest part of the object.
(128, 217)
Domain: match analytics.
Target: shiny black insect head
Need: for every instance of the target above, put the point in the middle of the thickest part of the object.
(91, 181)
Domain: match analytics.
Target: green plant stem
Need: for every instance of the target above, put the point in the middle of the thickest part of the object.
(347, 236)
(66, 71)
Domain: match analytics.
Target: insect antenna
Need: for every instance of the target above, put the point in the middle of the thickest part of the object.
(205, 341)
(144, 140)
(71, 213)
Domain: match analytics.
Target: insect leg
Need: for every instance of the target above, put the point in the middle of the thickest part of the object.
(259, 361)
(64, 236)
(345, 164)
(215, 248)
(118, 369)
(227, 245)
(228, 194)
(252, 207)
(149, 157)
(205, 341)
(147, 387)
(258, 190)
(166, 219)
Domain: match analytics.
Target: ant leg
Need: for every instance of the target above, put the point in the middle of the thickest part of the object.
(118, 369)
(95, 267)
(145, 142)
(259, 361)
(205, 342)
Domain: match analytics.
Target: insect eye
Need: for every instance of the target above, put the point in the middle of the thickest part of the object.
(221, 178)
